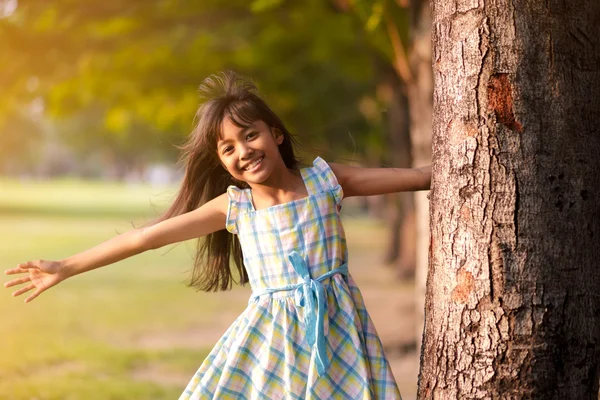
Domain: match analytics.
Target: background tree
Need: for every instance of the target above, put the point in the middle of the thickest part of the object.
(512, 297)
(404, 35)
(420, 97)
(399, 31)
(135, 68)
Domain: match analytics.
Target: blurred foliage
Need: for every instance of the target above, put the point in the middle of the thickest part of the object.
(121, 77)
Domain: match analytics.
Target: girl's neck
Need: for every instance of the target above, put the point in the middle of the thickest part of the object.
(283, 185)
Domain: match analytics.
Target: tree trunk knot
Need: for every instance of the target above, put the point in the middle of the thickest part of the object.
(464, 287)
(500, 100)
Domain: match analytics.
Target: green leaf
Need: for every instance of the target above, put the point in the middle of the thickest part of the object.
(264, 5)
(117, 120)
(375, 17)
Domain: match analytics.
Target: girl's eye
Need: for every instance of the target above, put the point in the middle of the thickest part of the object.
(227, 149)
(251, 135)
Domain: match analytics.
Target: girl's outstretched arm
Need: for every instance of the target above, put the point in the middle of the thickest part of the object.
(357, 181)
(42, 275)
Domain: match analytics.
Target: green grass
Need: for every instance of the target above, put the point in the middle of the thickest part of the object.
(74, 198)
(82, 339)
(132, 330)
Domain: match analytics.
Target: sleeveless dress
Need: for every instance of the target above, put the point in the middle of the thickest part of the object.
(305, 333)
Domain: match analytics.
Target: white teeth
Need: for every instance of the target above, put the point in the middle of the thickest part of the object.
(254, 164)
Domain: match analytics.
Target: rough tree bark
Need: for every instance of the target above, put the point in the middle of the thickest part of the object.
(512, 304)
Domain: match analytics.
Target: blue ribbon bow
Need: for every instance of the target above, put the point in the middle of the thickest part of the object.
(310, 295)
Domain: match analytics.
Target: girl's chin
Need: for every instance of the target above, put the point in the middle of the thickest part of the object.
(250, 177)
(255, 177)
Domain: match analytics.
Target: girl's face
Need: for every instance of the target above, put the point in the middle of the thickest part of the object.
(250, 154)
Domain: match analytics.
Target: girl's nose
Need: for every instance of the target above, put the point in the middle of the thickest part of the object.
(245, 152)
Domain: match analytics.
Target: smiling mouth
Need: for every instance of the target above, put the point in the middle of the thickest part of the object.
(253, 164)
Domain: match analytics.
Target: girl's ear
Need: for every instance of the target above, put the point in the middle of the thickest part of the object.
(278, 135)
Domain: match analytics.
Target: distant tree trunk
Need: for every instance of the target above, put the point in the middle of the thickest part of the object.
(420, 97)
(512, 306)
(400, 248)
(401, 244)
(406, 263)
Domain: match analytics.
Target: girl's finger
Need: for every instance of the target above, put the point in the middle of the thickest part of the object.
(34, 295)
(17, 281)
(23, 290)
(18, 270)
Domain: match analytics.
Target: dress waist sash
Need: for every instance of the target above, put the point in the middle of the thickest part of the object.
(310, 294)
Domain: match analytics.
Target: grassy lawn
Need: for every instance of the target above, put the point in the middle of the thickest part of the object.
(129, 331)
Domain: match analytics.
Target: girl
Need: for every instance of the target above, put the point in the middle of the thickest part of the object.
(305, 333)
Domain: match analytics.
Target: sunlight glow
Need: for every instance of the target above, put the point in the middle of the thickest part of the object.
(7, 7)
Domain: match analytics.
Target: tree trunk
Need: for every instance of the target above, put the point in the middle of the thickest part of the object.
(512, 307)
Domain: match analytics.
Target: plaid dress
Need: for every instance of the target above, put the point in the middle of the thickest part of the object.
(305, 333)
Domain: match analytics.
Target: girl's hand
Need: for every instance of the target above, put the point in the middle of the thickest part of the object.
(42, 275)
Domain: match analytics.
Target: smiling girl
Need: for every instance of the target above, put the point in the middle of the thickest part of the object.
(305, 333)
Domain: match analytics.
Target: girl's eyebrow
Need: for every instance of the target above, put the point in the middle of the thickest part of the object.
(246, 129)
(221, 141)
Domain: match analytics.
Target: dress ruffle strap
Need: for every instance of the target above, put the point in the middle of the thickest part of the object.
(328, 179)
(234, 193)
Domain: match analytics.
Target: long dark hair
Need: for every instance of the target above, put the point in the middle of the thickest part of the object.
(224, 95)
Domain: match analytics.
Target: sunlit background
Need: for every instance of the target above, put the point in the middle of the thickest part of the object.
(95, 97)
